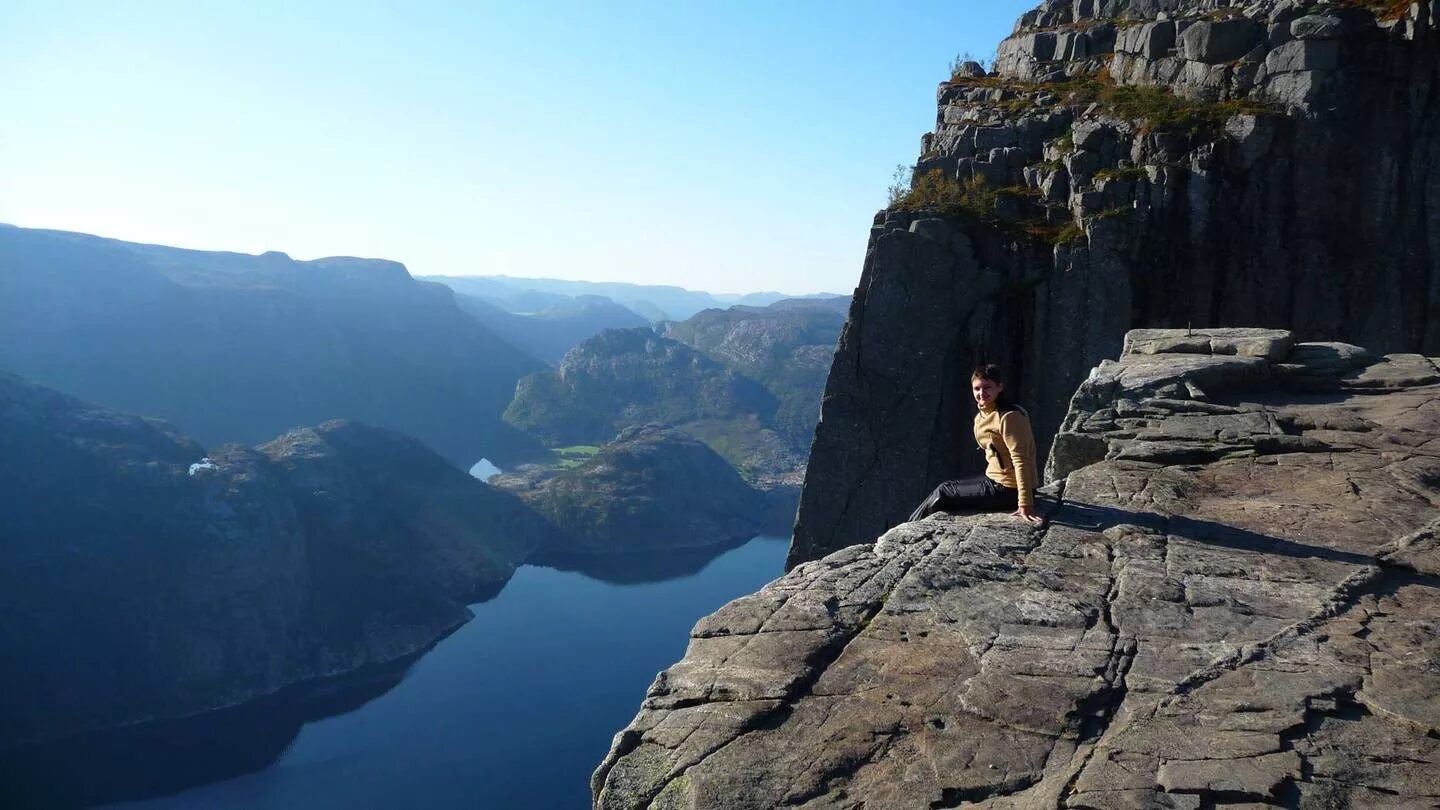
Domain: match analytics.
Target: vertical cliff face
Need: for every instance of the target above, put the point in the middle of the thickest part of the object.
(1132, 163)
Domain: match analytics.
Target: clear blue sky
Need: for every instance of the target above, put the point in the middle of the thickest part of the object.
(724, 145)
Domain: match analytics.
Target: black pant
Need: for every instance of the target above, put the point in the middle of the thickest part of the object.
(976, 494)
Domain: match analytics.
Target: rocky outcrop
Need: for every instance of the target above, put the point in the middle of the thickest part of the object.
(1232, 601)
(237, 348)
(142, 579)
(1132, 163)
(651, 489)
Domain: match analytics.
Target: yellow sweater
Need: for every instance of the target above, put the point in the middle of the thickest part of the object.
(1009, 450)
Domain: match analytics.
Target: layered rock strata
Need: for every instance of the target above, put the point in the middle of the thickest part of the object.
(1132, 163)
(1233, 601)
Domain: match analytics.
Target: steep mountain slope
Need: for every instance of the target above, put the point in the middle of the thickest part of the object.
(1132, 163)
(787, 347)
(628, 377)
(141, 579)
(233, 347)
(745, 380)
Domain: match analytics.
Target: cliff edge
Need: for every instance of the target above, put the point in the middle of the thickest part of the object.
(1233, 602)
(1131, 163)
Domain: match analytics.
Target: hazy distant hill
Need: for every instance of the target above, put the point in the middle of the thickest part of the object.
(628, 377)
(745, 380)
(786, 347)
(510, 298)
(655, 302)
(549, 333)
(233, 347)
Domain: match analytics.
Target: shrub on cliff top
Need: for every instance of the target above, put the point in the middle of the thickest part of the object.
(975, 199)
(1386, 10)
(1155, 107)
(934, 190)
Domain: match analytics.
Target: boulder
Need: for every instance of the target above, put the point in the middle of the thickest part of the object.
(1304, 54)
(1271, 344)
(1317, 26)
(1216, 41)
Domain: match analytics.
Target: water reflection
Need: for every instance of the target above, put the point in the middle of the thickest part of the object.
(631, 568)
(150, 759)
(513, 710)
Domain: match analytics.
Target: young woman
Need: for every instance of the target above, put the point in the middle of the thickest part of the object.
(1002, 429)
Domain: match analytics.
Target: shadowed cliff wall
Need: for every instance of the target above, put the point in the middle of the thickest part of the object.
(1267, 164)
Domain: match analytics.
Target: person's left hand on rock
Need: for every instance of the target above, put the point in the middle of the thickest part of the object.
(1027, 513)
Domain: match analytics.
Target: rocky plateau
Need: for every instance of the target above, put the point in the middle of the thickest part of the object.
(1234, 601)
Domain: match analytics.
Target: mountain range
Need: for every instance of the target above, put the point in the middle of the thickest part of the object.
(237, 348)
(654, 302)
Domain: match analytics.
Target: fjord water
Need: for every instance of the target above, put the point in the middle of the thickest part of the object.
(514, 709)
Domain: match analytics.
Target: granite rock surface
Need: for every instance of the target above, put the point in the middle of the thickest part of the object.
(1233, 601)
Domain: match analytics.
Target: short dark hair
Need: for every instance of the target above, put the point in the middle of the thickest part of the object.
(988, 371)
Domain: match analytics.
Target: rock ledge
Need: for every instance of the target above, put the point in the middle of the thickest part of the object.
(1234, 601)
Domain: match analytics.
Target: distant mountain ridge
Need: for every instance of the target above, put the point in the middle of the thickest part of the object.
(549, 333)
(234, 347)
(654, 302)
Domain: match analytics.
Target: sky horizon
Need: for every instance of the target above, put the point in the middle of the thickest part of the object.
(726, 147)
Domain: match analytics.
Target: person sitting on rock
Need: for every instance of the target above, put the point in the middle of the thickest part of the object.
(1002, 429)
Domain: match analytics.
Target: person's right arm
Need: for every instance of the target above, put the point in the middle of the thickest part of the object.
(1020, 442)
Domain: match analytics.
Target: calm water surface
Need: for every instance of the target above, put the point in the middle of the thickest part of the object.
(514, 710)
